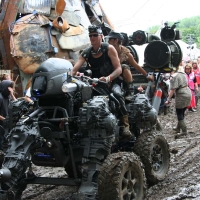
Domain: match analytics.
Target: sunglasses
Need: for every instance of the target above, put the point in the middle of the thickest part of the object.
(93, 35)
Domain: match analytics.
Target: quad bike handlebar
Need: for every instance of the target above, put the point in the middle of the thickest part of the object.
(79, 82)
(90, 80)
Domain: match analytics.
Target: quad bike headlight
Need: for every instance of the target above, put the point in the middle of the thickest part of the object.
(39, 85)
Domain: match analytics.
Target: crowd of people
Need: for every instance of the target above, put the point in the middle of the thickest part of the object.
(184, 86)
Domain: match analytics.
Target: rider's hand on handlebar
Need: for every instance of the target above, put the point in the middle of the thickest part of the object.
(105, 79)
(102, 79)
(79, 74)
(140, 89)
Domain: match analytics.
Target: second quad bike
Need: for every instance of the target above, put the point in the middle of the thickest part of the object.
(76, 126)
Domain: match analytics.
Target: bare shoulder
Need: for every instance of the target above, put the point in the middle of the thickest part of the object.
(130, 55)
(111, 47)
(111, 50)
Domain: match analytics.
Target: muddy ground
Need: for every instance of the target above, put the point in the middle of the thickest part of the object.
(181, 182)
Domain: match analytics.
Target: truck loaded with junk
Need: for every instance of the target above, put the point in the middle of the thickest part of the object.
(72, 123)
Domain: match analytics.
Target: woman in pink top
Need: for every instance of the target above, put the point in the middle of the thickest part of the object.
(196, 71)
(192, 83)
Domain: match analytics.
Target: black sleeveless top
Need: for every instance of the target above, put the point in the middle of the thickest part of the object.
(97, 66)
(101, 66)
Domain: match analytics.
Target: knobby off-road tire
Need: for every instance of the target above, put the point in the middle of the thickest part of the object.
(153, 150)
(121, 177)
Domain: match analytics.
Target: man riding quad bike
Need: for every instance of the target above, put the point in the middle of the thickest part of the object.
(76, 126)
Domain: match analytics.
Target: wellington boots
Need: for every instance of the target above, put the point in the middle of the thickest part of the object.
(177, 129)
(183, 128)
(126, 134)
(61, 24)
(166, 110)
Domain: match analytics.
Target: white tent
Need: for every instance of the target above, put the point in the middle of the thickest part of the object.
(190, 52)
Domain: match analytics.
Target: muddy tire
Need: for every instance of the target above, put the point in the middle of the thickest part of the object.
(153, 150)
(121, 177)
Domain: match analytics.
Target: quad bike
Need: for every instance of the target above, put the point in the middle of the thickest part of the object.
(76, 126)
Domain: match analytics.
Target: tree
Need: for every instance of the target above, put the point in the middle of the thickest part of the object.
(188, 26)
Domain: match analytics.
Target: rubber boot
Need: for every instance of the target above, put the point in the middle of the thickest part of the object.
(126, 134)
(166, 110)
(177, 128)
(183, 128)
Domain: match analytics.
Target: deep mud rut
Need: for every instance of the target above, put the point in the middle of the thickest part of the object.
(181, 182)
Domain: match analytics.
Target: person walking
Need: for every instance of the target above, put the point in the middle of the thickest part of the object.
(192, 83)
(196, 71)
(183, 95)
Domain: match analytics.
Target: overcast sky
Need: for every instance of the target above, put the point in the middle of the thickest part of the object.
(130, 15)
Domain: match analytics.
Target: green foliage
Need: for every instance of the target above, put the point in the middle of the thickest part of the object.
(153, 29)
(188, 26)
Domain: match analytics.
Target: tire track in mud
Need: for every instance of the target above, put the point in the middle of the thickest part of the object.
(48, 192)
(182, 180)
(184, 173)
